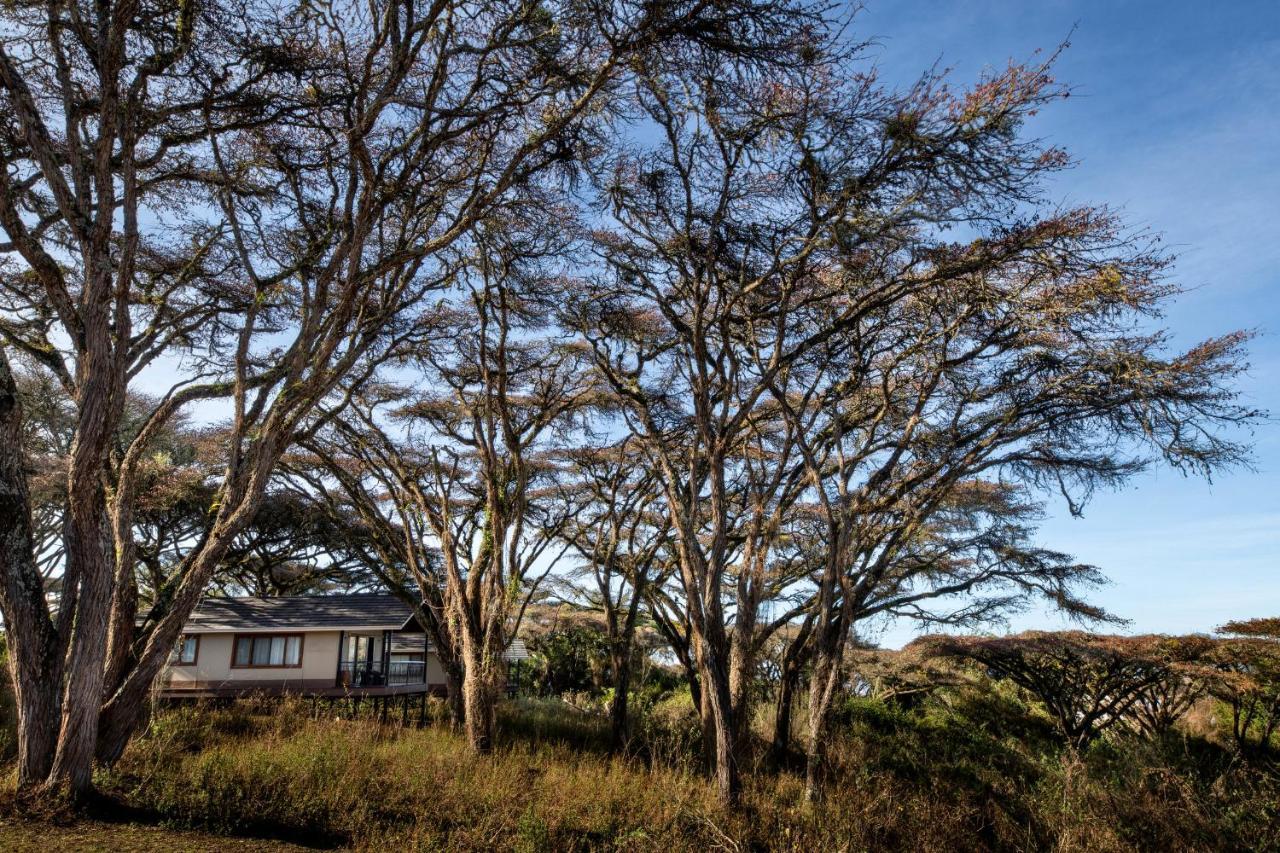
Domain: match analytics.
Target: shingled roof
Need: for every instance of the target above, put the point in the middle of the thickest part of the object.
(303, 612)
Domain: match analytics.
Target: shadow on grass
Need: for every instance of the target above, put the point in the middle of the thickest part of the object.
(108, 808)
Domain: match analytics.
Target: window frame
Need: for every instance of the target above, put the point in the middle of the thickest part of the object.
(235, 644)
(176, 658)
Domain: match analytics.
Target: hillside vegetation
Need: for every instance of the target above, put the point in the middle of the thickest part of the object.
(968, 768)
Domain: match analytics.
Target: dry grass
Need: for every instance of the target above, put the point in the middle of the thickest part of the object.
(970, 773)
(101, 837)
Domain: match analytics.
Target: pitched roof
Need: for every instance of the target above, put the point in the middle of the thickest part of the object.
(301, 612)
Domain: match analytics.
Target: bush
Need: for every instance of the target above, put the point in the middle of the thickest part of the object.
(669, 732)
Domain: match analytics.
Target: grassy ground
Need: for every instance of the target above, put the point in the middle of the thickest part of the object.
(975, 773)
(95, 835)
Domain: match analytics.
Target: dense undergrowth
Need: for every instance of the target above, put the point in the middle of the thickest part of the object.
(962, 771)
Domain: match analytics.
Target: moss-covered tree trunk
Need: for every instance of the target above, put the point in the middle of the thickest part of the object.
(479, 713)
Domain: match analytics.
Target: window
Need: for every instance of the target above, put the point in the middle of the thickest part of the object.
(186, 652)
(278, 650)
(359, 648)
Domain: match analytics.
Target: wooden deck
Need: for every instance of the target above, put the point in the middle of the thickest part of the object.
(237, 691)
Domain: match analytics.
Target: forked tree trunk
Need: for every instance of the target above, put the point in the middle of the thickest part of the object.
(56, 729)
(82, 703)
(127, 708)
(728, 776)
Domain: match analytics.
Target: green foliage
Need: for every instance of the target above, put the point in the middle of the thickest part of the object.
(1247, 680)
(569, 658)
(1087, 682)
(552, 721)
(669, 731)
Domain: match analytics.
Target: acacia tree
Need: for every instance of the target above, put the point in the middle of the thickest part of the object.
(706, 256)
(977, 372)
(359, 470)
(1088, 682)
(99, 114)
(781, 219)
(476, 463)
(1247, 678)
(619, 530)
(920, 488)
(248, 195)
(1159, 707)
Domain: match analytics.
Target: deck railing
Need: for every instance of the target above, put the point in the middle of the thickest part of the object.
(361, 673)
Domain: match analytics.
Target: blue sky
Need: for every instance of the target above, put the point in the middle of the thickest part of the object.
(1175, 119)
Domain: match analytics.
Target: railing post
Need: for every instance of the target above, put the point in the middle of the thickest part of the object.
(386, 657)
(337, 677)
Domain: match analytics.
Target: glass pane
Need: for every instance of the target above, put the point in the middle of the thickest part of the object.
(242, 651)
(292, 649)
(261, 651)
(277, 651)
(189, 650)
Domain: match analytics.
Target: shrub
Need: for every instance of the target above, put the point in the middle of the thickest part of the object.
(1087, 682)
(1248, 679)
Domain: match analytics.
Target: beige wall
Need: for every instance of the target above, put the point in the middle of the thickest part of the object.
(435, 672)
(319, 664)
(213, 663)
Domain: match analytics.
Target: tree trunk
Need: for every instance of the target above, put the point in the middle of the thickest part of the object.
(741, 672)
(453, 691)
(122, 629)
(826, 675)
(708, 727)
(619, 722)
(35, 662)
(477, 698)
(37, 705)
(115, 727)
(127, 708)
(82, 702)
(728, 778)
(793, 659)
(782, 720)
